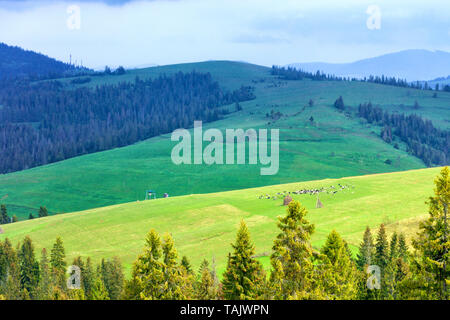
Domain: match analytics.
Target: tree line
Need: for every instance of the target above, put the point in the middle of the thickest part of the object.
(46, 122)
(18, 63)
(298, 271)
(291, 73)
(423, 139)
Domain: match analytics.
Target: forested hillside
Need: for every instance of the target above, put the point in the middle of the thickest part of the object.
(45, 122)
(16, 62)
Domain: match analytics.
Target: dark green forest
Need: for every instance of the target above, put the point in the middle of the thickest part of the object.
(45, 122)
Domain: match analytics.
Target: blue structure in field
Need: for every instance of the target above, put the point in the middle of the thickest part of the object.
(150, 194)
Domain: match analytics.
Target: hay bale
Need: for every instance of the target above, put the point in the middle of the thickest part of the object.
(287, 200)
(319, 203)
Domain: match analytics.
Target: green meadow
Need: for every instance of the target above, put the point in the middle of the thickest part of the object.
(204, 225)
(334, 145)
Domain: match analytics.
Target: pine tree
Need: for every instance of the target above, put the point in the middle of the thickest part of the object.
(7, 257)
(155, 278)
(206, 287)
(339, 276)
(339, 103)
(433, 245)
(29, 267)
(243, 278)
(4, 219)
(402, 247)
(58, 255)
(112, 277)
(381, 248)
(58, 264)
(45, 278)
(186, 265)
(393, 249)
(147, 274)
(88, 278)
(11, 284)
(176, 286)
(43, 212)
(366, 252)
(292, 258)
(382, 259)
(98, 291)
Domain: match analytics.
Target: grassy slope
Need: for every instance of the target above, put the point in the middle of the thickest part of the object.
(334, 146)
(204, 225)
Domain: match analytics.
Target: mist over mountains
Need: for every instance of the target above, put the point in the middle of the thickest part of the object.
(412, 65)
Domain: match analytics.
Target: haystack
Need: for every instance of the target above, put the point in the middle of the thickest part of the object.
(287, 200)
(319, 203)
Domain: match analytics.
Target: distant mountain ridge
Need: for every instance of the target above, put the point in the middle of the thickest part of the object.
(16, 62)
(412, 65)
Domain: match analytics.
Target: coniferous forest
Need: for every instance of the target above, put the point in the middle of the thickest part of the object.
(423, 140)
(45, 122)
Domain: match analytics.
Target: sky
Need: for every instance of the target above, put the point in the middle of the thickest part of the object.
(266, 32)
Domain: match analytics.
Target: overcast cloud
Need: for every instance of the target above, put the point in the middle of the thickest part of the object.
(132, 33)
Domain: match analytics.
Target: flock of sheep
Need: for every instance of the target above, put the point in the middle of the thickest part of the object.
(313, 191)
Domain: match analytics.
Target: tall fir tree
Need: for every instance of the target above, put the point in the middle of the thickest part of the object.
(431, 263)
(4, 218)
(366, 252)
(58, 265)
(338, 273)
(113, 277)
(206, 287)
(292, 257)
(29, 267)
(381, 259)
(43, 212)
(98, 291)
(244, 277)
(45, 286)
(186, 265)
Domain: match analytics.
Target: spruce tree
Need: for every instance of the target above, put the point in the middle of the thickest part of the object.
(432, 261)
(44, 289)
(112, 277)
(29, 267)
(243, 278)
(176, 285)
(98, 291)
(382, 259)
(58, 265)
(156, 274)
(292, 258)
(339, 274)
(88, 278)
(366, 252)
(4, 219)
(186, 265)
(12, 287)
(147, 274)
(381, 248)
(393, 251)
(43, 212)
(206, 287)
(402, 247)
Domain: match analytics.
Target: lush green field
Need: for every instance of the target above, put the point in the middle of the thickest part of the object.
(204, 225)
(333, 146)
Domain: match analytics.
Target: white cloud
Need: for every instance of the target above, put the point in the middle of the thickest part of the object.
(260, 31)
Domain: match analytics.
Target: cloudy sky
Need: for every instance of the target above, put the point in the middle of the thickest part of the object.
(137, 33)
